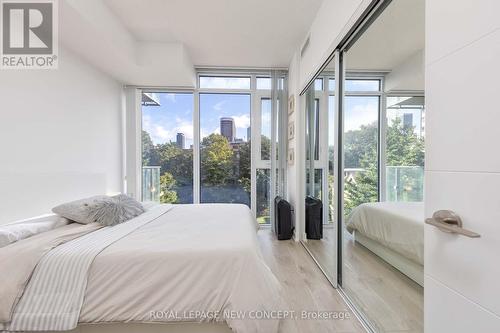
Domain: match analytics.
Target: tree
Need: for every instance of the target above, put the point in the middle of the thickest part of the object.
(265, 147)
(404, 148)
(177, 161)
(148, 149)
(245, 160)
(167, 195)
(216, 160)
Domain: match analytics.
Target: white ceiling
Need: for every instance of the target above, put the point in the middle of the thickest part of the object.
(396, 35)
(230, 33)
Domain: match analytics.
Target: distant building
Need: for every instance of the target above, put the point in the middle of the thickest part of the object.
(249, 133)
(408, 120)
(181, 140)
(227, 128)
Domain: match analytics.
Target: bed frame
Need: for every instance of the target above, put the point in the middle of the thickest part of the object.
(409, 268)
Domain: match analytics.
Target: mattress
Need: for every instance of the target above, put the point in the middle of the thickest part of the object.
(398, 226)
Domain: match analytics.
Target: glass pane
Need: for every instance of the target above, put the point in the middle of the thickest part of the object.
(221, 82)
(317, 188)
(167, 148)
(225, 149)
(331, 84)
(312, 132)
(264, 83)
(265, 129)
(362, 85)
(263, 196)
(405, 148)
(360, 151)
(316, 130)
(331, 155)
(318, 84)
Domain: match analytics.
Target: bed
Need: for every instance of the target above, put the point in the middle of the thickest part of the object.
(394, 231)
(194, 264)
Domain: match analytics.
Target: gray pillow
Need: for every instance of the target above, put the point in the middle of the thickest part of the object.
(78, 210)
(115, 210)
(102, 209)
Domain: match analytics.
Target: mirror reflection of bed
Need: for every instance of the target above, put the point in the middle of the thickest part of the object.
(381, 269)
(383, 257)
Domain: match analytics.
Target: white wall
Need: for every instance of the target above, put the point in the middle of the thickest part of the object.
(462, 165)
(408, 75)
(91, 30)
(333, 20)
(60, 136)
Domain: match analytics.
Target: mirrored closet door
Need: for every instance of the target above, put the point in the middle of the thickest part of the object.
(371, 240)
(321, 229)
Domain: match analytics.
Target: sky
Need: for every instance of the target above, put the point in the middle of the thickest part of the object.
(175, 115)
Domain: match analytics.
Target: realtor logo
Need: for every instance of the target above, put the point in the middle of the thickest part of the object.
(29, 34)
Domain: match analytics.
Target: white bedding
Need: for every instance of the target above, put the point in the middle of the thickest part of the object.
(195, 258)
(396, 225)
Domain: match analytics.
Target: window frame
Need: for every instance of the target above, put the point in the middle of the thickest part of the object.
(274, 165)
(323, 96)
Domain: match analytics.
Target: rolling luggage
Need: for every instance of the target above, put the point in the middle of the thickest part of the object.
(283, 226)
(314, 218)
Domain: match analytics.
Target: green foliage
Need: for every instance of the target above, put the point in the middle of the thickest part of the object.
(265, 147)
(245, 160)
(404, 148)
(360, 145)
(216, 160)
(148, 149)
(167, 195)
(177, 161)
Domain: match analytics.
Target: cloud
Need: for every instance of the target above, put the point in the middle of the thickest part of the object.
(224, 82)
(185, 128)
(170, 97)
(168, 131)
(242, 121)
(266, 117)
(361, 114)
(218, 106)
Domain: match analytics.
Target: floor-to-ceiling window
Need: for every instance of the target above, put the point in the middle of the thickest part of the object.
(167, 147)
(218, 143)
(225, 148)
(405, 148)
(361, 142)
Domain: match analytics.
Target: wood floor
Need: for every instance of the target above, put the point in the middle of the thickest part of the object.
(305, 288)
(391, 301)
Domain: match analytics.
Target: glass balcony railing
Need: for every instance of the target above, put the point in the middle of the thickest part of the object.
(405, 183)
(151, 183)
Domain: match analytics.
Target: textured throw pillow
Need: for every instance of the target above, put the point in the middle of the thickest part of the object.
(78, 210)
(115, 210)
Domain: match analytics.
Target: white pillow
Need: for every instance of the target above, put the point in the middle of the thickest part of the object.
(16, 231)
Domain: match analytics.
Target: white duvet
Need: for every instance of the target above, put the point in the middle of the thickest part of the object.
(186, 263)
(195, 258)
(396, 225)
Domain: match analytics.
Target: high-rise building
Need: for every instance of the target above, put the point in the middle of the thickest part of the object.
(227, 128)
(181, 140)
(249, 133)
(408, 120)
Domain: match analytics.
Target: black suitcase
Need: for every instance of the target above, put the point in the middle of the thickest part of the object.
(283, 226)
(314, 218)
